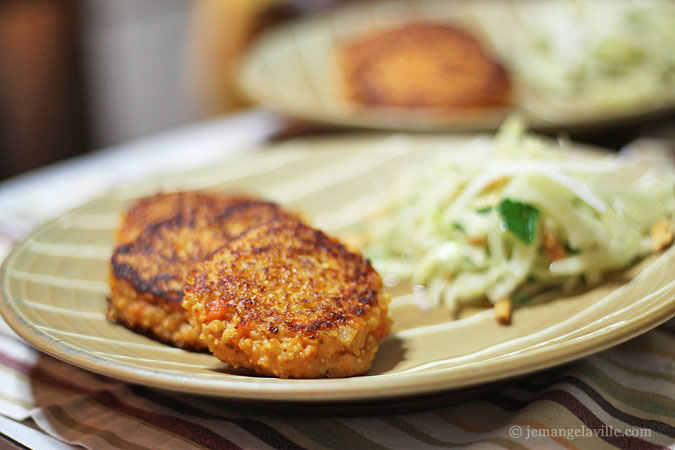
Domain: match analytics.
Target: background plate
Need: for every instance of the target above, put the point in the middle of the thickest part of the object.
(54, 288)
(293, 69)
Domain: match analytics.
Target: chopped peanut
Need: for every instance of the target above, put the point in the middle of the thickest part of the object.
(662, 234)
(480, 241)
(552, 246)
(502, 310)
(496, 184)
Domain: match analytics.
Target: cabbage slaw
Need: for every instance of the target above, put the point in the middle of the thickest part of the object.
(516, 221)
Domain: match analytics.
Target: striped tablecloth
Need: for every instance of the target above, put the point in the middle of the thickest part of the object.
(623, 397)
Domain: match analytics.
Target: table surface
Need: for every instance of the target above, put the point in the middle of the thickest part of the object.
(622, 397)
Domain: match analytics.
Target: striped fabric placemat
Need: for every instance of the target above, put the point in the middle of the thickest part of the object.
(622, 397)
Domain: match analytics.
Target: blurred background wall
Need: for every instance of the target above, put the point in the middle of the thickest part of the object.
(79, 75)
(41, 102)
(134, 67)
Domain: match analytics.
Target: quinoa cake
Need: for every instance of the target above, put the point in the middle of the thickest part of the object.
(287, 300)
(422, 66)
(148, 272)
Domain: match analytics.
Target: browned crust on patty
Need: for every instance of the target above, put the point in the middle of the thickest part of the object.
(162, 206)
(423, 66)
(148, 274)
(160, 258)
(287, 300)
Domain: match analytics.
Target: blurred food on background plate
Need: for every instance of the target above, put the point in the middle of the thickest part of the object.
(422, 66)
(445, 65)
(601, 54)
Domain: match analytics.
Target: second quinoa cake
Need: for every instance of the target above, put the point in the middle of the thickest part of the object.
(287, 300)
(149, 267)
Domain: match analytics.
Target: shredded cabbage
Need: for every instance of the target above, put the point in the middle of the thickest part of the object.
(606, 54)
(521, 218)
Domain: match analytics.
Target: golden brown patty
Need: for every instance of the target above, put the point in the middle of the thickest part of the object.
(163, 206)
(148, 274)
(287, 300)
(423, 65)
